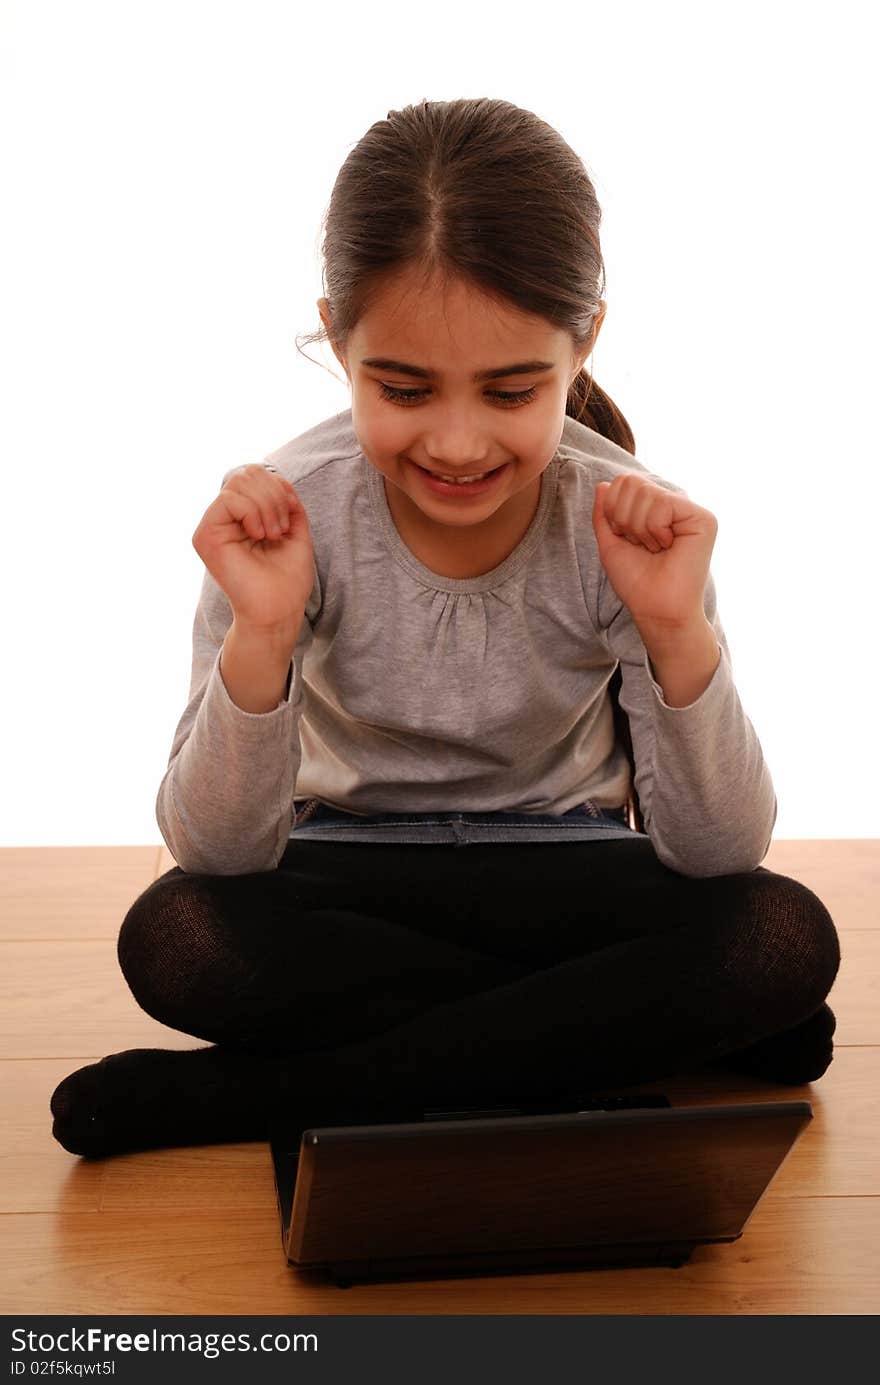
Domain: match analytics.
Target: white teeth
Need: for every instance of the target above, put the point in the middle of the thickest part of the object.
(459, 480)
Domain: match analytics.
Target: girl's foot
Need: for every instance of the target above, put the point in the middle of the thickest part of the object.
(797, 1055)
(149, 1098)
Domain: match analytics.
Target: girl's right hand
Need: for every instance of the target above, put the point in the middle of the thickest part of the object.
(265, 569)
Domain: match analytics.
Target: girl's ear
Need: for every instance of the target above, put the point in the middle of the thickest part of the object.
(582, 358)
(580, 362)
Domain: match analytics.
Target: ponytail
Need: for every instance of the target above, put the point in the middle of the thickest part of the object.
(589, 404)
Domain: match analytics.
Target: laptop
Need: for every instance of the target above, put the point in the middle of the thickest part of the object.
(615, 1181)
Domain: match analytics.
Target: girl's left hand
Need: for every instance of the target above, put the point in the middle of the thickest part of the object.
(655, 546)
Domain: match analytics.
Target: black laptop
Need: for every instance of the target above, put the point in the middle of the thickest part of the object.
(614, 1181)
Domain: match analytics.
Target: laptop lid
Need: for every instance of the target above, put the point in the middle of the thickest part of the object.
(577, 1188)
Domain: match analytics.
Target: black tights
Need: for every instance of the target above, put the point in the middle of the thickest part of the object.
(357, 980)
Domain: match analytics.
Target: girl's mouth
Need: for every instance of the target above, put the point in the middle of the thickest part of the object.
(462, 489)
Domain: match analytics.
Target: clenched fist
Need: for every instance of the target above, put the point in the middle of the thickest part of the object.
(254, 540)
(655, 546)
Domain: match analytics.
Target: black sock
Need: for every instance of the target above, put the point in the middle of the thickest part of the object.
(150, 1098)
(799, 1054)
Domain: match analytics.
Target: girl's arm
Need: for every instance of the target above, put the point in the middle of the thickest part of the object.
(225, 803)
(255, 666)
(704, 790)
(683, 663)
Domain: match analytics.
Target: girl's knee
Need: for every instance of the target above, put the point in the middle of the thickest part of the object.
(795, 922)
(167, 931)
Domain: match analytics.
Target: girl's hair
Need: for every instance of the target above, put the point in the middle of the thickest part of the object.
(477, 190)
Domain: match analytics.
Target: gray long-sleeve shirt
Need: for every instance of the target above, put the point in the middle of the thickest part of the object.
(415, 692)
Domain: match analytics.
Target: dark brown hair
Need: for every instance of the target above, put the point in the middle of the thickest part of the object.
(478, 190)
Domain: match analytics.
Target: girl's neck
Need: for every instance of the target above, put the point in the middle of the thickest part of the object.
(463, 552)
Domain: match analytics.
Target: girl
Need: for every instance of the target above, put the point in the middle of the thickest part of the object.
(405, 643)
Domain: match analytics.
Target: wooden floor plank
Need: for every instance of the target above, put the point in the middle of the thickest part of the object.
(844, 874)
(796, 1256)
(52, 892)
(856, 989)
(36, 1173)
(70, 997)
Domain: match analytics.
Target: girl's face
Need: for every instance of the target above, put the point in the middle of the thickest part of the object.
(447, 401)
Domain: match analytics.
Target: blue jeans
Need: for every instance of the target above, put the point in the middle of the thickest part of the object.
(586, 821)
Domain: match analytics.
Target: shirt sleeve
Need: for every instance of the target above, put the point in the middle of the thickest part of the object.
(704, 789)
(225, 803)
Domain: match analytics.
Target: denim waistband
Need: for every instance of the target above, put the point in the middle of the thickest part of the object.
(583, 822)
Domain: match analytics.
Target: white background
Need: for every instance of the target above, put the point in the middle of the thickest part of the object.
(165, 168)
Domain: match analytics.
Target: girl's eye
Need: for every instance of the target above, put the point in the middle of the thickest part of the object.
(504, 397)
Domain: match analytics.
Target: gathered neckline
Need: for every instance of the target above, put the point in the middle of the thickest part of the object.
(486, 580)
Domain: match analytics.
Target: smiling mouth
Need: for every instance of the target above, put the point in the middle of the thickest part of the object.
(460, 480)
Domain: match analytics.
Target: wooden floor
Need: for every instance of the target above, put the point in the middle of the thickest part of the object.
(196, 1230)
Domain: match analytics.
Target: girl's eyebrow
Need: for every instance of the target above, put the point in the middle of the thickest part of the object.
(401, 368)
